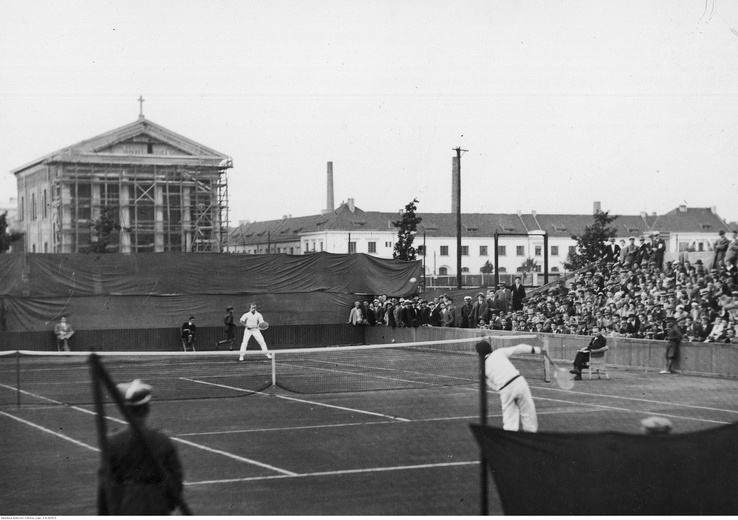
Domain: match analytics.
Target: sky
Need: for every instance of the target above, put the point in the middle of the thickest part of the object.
(557, 103)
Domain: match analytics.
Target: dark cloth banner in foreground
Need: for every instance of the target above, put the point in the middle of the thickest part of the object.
(613, 473)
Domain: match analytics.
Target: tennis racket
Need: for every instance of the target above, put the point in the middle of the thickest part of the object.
(263, 325)
(562, 377)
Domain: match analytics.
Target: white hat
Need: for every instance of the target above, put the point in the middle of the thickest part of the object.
(135, 393)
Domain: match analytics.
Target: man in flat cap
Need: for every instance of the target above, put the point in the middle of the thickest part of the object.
(229, 329)
(133, 484)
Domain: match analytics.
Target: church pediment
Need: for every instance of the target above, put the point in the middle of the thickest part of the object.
(143, 145)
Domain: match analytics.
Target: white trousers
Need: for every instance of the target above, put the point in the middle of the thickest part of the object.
(518, 407)
(256, 333)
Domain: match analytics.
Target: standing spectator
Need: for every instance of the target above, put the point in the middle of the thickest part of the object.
(424, 313)
(449, 317)
(480, 310)
(229, 329)
(63, 331)
(188, 331)
(659, 248)
(518, 295)
(435, 314)
(390, 313)
(731, 256)
(133, 484)
(379, 311)
(466, 311)
(644, 252)
(502, 298)
(369, 317)
(612, 252)
(355, 316)
(630, 253)
(720, 247)
(674, 337)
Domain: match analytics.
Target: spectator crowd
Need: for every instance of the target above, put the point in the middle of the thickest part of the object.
(629, 293)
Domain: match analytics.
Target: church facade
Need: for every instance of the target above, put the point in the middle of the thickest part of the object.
(159, 191)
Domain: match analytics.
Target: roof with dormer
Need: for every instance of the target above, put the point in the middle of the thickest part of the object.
(348, 218)
(137, 142)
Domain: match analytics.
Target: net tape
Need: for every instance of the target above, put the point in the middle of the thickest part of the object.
(61, 377)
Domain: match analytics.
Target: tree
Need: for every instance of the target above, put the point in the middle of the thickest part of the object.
(487, 268)
(590, 243)
(529, 265)
(407, 227)
(102, 230)
(6, 239)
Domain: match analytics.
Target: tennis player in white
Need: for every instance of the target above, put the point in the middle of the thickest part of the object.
(515, 396)
(251, 321)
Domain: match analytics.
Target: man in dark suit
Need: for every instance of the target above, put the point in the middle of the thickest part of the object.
(598, 341)
(450, 317)
(466, 311)
(518, 295)
(188, 331)
(644, 251)
(659, 248)
(612, 251)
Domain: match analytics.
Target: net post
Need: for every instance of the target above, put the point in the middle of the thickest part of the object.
(546, 362)
(17, 378)
(483, 349)
(102, 436)
(274, 368)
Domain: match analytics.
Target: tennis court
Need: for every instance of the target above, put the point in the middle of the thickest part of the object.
(320, 448)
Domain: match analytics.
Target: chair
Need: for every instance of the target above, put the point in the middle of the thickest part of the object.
(598, 362)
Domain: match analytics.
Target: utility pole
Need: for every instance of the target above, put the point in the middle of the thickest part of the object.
(457, 206)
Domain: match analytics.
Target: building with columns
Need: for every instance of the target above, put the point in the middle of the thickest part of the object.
(165, 191)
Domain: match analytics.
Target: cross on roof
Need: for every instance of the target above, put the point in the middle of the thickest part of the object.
(140, 105)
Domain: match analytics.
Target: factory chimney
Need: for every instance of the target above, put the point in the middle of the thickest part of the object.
(330, 203)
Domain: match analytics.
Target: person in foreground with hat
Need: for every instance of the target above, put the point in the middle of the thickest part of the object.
(229, 327)
(133, 484)
(674, 338)
(502, 376)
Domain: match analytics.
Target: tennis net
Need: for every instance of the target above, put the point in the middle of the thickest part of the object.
(36, 378)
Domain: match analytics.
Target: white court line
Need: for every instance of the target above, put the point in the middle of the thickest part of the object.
(651, 401)
(630, 410)
(376, 414)
(236, 457)
(316, 403)
(333, 473)
(52, 432)
(465, 379)
(372, 376)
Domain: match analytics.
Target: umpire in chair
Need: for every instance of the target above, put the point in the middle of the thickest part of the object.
(582, 358)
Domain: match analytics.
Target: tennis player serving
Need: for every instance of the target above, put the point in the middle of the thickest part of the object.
(251, 320)
(515, 396)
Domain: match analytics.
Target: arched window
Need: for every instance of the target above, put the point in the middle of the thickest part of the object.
(443, 271)
(554, 269)
(502, 270)
(464, 269)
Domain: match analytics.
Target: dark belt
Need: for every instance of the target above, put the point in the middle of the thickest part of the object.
(513, 379)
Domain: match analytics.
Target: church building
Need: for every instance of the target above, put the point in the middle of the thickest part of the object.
(161, 192)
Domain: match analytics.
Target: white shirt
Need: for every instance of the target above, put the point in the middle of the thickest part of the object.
(499, 370)
(252, 319)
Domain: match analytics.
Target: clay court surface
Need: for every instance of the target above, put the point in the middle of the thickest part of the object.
(377, 452)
